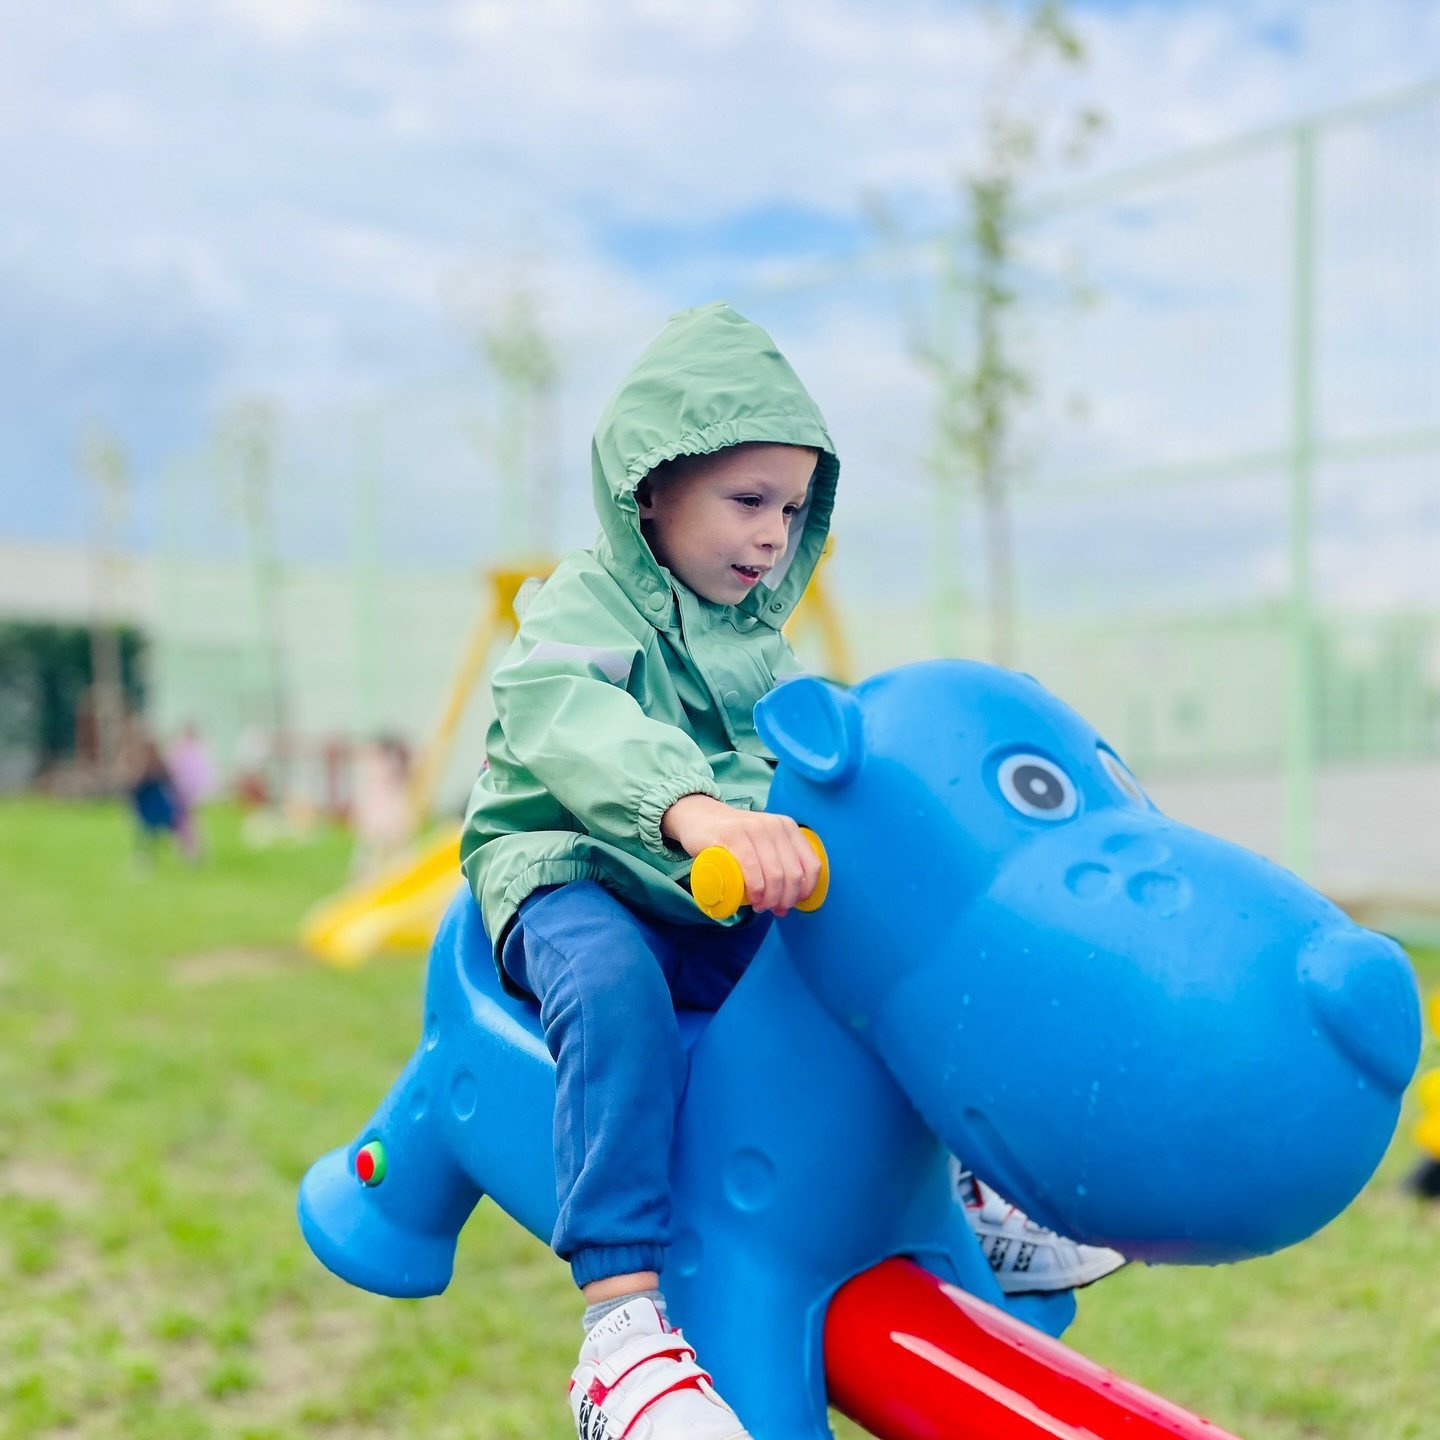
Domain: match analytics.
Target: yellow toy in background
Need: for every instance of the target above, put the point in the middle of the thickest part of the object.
(1425, 1179)
(1427, 1128)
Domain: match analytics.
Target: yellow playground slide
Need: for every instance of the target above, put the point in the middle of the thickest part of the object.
(397, 909)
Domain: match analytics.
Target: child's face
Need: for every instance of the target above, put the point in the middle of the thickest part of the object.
(723, 522)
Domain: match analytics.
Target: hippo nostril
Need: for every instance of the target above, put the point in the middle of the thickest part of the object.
(1362, 990)
(1163, 895)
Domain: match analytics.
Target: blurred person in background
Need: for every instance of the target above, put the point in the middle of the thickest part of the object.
(252, 764)
(192, 773)
(382, 818)
(154, 800)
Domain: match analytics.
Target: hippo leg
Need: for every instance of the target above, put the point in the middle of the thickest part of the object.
(393, 1231)
(940, 1239)
(758, 1332)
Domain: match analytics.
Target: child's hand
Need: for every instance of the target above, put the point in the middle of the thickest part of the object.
(779, 866)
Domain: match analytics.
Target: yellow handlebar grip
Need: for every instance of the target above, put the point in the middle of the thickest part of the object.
(718, 884)
(822, 885)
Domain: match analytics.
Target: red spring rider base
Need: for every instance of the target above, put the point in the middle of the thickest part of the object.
(912, 1358)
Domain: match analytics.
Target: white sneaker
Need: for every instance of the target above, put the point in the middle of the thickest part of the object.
(1026, 1257)
(637, 1380)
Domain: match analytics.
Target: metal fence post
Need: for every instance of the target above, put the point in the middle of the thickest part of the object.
(1300, 755)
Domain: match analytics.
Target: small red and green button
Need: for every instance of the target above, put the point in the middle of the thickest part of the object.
(370, 1163)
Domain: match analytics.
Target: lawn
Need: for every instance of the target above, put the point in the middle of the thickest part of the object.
(170, 1064)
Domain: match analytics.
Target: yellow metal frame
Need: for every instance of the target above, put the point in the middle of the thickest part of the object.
(496, 621)
(817, 614)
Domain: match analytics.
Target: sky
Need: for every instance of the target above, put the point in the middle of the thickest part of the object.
(313, 200)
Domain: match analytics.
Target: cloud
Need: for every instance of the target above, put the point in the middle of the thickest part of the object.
(277, 195)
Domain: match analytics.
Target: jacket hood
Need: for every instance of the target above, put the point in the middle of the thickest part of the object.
(710, 379)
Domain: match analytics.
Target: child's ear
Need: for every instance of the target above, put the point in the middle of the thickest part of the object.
(814, 727)
(644, 498)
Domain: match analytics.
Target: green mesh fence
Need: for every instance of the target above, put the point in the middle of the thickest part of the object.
(1225, 496)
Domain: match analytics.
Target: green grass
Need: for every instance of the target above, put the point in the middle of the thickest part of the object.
(170, 1064)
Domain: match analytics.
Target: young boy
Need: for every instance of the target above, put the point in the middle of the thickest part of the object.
(623, 744)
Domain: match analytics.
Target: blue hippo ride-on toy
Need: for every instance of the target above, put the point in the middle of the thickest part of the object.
(1143, 1036)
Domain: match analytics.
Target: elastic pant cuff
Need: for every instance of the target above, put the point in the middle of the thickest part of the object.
(600, 1262)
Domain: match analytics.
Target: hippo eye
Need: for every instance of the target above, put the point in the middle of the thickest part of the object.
(1037, 787)
(1115, 768)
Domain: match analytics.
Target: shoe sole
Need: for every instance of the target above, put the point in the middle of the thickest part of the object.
(1068, 1282)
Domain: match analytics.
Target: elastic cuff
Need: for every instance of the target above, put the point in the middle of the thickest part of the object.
(659, 798)
(600, 1262)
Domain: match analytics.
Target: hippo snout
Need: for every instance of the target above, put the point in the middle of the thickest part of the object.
(1361, 990)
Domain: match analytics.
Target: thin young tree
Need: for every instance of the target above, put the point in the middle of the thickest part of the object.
(966, 341)
(508, 332)
(524, 365)
(246, 442)
(104, 463)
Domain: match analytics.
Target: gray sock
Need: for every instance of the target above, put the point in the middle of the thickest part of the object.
(595, 1313)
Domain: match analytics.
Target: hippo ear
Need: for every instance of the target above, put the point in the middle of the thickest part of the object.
(814, 727)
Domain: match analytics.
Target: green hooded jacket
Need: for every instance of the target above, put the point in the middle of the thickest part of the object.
(624, 690)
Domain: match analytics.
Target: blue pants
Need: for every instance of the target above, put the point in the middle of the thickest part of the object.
(609, 981)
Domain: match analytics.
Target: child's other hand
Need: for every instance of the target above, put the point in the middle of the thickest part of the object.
(779, 866)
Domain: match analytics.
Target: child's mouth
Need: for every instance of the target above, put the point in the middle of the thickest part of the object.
(748, 573)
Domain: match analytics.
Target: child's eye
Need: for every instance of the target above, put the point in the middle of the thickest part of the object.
(791, 511)
(750, 502)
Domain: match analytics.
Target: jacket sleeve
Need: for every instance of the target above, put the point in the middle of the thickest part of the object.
(569, 721)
